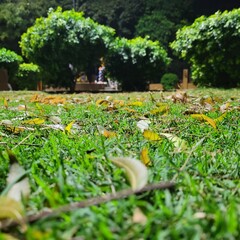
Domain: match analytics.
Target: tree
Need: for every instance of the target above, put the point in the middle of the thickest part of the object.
(122, 15)
(136, 62)
(162, 19)
(17, 16)
(63, 39)
(27, 77)
(9, 60)
(211, 46)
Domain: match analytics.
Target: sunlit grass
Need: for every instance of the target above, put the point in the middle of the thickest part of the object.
(72, 166)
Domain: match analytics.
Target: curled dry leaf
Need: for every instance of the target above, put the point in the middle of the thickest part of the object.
(145, 157)
(152, 136)
(139, 217)
(220, 118)
(54, 127)
(6, 122)
(34, 121)
(223, 108)
(179, 144)
(179, 97)
(20, 188)
(17, 130)
(137, 103)
(69, 126)
(55, 119)
(204, 118)
(143, 125)
(5, 103)
(136, 171)
(11, 209)
(102, 102)
(105, 132)
(21, 107)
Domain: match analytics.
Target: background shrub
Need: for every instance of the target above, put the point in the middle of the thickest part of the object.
(211, 45)
(65, 39)
(136, 62)
(27, 77)
(169, 81)
(10, 61)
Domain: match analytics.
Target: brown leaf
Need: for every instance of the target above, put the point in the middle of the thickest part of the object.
(179, 97)
(223, 108)
(139, 217)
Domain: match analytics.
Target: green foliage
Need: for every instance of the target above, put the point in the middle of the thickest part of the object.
(10, 61)
(27, 68)
(162, 19)
(211, 46)
(157, 26)
(65, 168)
(135, 62)
(17, 16)
(27, 77)
(3, 170)
(65, 38)
(121, 15)
(169, 81)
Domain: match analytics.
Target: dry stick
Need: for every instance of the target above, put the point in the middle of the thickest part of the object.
(22, 141)
(91, 202)
(99, 200)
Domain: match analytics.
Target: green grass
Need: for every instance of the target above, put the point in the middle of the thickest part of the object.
(71, 167)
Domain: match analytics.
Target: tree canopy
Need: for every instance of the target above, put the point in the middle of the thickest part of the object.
(157, 19)
(65, 39)
(211, 46)
(10, 61)
(136, 62)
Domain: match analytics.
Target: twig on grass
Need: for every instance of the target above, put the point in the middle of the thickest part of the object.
(91, 202)
(22, 140)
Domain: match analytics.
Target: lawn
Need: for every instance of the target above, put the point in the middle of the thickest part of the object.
(68, 144)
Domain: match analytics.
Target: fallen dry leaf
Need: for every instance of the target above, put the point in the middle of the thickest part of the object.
(202, 117)
(11, 209)
(143, 125)
(34, 121)
(69, 127)
(179, 144)
(150, 135)
(105, 132)
(136, 171)
(20, 188)
(145, 157)
(139, 217)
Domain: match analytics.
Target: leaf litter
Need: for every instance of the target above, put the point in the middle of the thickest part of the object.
(157, 125)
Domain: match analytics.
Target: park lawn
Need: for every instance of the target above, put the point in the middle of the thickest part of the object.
(66, 142)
